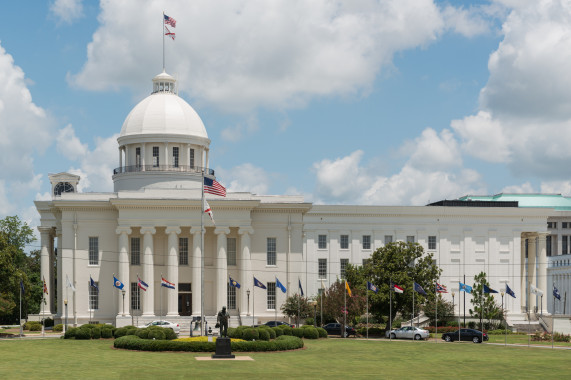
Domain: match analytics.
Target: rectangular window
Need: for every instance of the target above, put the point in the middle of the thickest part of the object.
(344, 241)
(138, 157)
(554, 224)
(93, 297)
(388, 239)
(175, 156)
(231, 297)
(135, 296)
(182, 251)
(366, 261)
(135, 251)
(93, 251)
(322, 268)
(271, 295)
(548, 244)
(231, 254)
(156, 156)
(410, 239)
(344, 263)
(271, 251)
(322, 242)
(432, 242)
(366, 241)
(191, 158)
(564, 247)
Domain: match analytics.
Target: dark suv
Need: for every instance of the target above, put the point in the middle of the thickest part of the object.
(335, 329)
(277, 323)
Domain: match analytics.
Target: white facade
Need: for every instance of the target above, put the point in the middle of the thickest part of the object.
(149, 228)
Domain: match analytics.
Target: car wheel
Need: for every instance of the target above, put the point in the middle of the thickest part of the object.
(476, 339)
(447, 338)
(417, 337)
(393, 336)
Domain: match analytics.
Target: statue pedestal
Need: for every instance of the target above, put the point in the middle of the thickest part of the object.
(223, 349)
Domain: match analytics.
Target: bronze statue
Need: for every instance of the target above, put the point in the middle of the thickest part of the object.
(222, 321)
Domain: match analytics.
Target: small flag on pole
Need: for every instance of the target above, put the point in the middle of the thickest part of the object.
(166, 284)
(211, 186)
(208, 210)
(280, 285)
(419, 289)
(465, 288)
(258, 283)
(487, 289)
(69, 284)
(509, 291)
(116, 283)
(22, 287)
(441, 288)
(170, 21)
(348, 288)
(372, 287)
(169, 33)
(397, 289)
(234, 283)
(556, 293)
(45, 286)
(142, 284)
(93, 284)
(536, 290)
(301, 289)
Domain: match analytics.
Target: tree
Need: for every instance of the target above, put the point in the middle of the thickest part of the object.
(334, 302)
(14, 236)
(485, 306)
(445, 309)
(296, 304)
(399, 262)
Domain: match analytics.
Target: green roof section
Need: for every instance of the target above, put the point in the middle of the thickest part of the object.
(554, 201)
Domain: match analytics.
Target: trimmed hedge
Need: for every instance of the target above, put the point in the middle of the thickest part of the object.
(375, 331)
(107, 333)
(251, 334)
(310, 333)
(156, 334)
(286, 329)
(70, 332)
(322, 332)
(277, 331)
(95, 333)
(58, 328)
(264, 334)
(82, 334)
(297, 332)
(131, 342)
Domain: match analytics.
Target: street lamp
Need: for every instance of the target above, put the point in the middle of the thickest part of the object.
(248, 293)
(65, 326)
(314, 304)
(123, 293)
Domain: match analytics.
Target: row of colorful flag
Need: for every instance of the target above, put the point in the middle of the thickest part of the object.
(260, 285)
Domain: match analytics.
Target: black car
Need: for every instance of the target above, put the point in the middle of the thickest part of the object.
(335, 329)
(468, 335)
(277, 323)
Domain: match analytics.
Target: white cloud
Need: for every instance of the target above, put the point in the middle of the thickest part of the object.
(240, 130)
(67, 11)
(246, 54)
(467, 22)
(245, 178)
(519, 189)
(431, 151)
(69, 145)
(556, 187)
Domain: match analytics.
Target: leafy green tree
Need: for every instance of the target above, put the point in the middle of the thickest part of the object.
(399, 262)
(445, 309)
(485, 306)
(14, 236)
(295, 305)
(334, 302)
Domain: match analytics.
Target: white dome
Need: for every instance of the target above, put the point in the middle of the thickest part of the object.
(163, 112)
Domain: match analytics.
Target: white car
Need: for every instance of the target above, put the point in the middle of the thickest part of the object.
(408, 332)
(165, 324)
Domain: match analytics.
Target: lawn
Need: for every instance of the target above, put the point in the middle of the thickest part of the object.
(332, 358)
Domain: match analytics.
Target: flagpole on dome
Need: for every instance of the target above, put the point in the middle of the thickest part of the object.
(367, 294)
(436, 312)
(276, 301)
(390, 307)
(163, 33)
(201, 208)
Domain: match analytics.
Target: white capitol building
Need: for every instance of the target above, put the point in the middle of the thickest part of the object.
(150, 226)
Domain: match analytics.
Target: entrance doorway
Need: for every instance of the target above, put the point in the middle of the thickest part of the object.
(184, 300)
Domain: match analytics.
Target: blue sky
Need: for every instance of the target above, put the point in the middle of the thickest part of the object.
(395, 102)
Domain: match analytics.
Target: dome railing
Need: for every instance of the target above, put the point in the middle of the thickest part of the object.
(163, 168)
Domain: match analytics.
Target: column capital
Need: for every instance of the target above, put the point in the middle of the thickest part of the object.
(44, 230)
(170, 229)
(196, 230)
(123, 230)
(246, 230)
(543, 235)
(151, 230)
(222, 230)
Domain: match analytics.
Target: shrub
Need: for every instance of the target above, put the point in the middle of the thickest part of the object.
(107, 333)
(96, 333)
(561, 337)
(143, 333)
(297, 332)
(452, 323)
(48, 322)
(264, 334)
(157, 334)
(35, 327)
(286, 329)
(232, 332)
(70, 333)
(170, 334)
(309, 321)
(58, 328)
(322, 332)
(272, 333)
(279, 332)
(310, 333)
(251, 334)
(83, 334)
(121, 331)
(471, 324)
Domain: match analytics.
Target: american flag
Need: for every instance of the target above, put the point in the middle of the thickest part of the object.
(441, 288)
(169, 33)
(211, 186)
(170, 21)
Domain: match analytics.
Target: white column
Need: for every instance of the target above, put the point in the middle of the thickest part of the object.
(196, 285)
(542, 271)
(187, 159)
(61, 281)
(245, 268)
(143, 156)
(45, 266)
(172, 270)
(148, 271)
(523, 298)
(531, 254)
(221, 267)
(167, 158)
(120, 157)
(123, 270)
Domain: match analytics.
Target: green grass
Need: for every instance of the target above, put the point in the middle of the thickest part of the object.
(331, 358)
(518, 339)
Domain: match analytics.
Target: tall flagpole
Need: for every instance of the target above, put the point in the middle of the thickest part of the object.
(343, 329)
(367, 294)
(201, 253)
(436, 298)
(163, 32)
(253, 304)
(412, 319)
(21, 307)
(390, 307)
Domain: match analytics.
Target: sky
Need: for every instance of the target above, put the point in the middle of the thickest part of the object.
(386, 102)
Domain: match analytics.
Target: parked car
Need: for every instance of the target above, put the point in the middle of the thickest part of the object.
(465, 335)
(335, 329)
(165, 324)
(277, 323)
(408, 332)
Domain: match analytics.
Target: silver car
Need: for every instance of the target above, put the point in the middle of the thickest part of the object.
(408, 332)
(165, 324)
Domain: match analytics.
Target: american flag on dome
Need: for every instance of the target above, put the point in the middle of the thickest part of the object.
(211, 186)
(441, 288)
(169, 33)
(170, 21)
